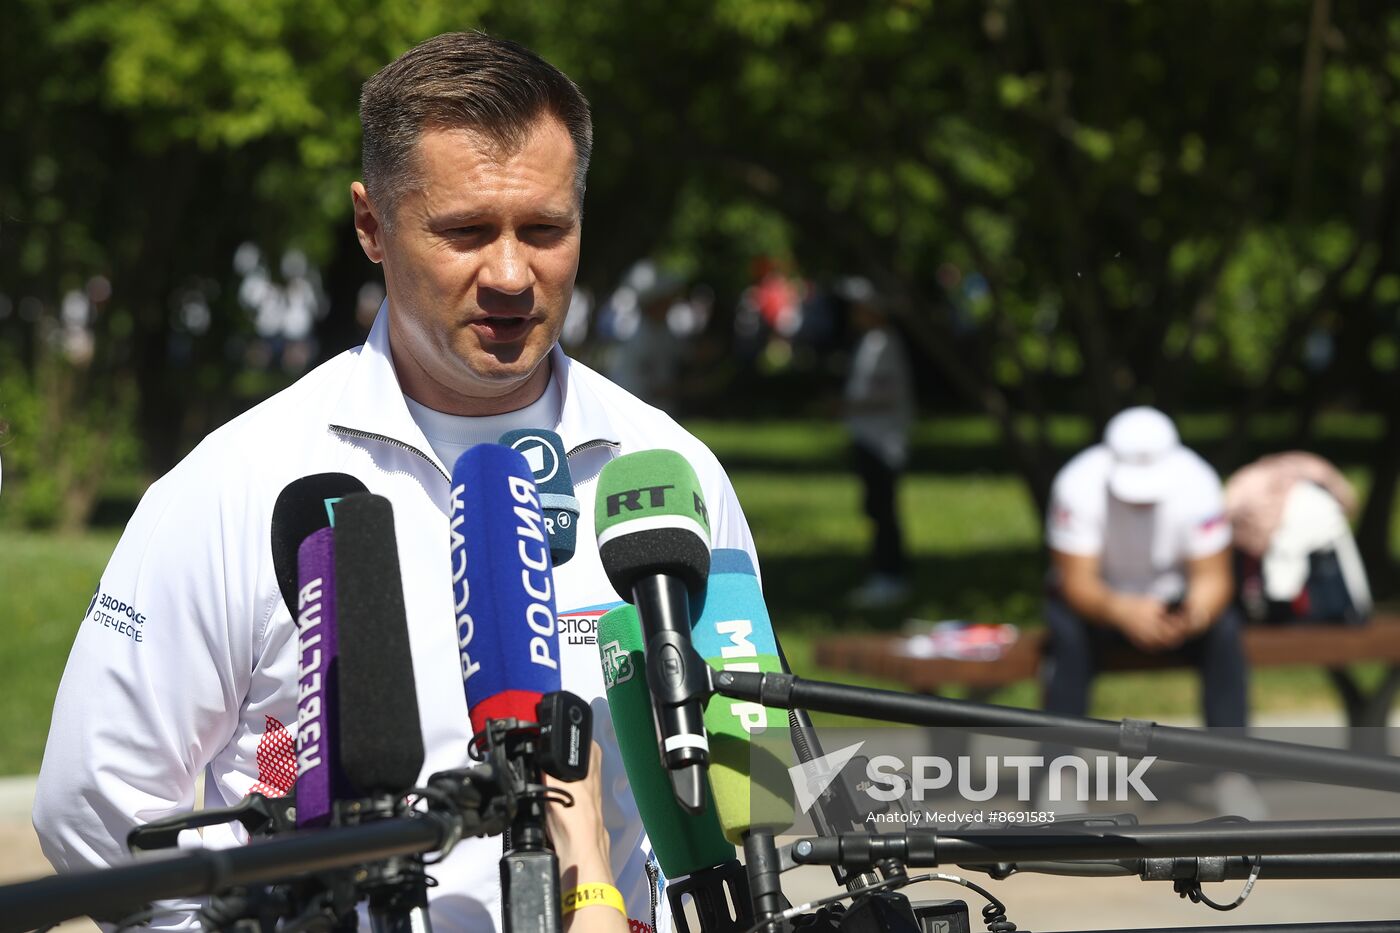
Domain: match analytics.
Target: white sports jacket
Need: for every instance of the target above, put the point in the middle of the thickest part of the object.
(187, 657)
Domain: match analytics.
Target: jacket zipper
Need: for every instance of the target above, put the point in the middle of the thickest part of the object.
(366, 435)
(592, 445)
(652, 871)
(370, 436)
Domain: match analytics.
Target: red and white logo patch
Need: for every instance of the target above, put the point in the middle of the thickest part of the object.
(277, 761)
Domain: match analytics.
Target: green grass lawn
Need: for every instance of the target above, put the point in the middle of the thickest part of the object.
(974, 537)
(47, 582)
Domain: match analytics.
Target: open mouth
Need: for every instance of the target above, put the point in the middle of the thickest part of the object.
(503, 329)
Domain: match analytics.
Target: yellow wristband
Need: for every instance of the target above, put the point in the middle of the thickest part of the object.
(592, 895)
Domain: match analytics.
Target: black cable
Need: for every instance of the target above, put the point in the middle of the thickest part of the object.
(1191, 888)
(317, 915)
(791, 912)
(993, 915)
(442, 799)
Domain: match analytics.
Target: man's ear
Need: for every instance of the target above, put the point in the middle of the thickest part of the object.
(368, 227)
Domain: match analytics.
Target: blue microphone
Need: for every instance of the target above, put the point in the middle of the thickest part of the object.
(503, 586)
(548, 461)
(750, 783)
(508, 636)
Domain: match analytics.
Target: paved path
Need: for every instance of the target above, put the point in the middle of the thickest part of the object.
(1042, 902)
(1035, 902)
(20, 858)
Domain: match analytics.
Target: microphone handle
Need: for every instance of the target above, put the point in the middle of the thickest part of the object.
(401, 911)
(530, 891)
(679, 682)
(762, 860)
(808, 746)
(529, 867)
(398, 899)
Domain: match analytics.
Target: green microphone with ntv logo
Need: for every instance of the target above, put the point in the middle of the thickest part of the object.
(701, 871)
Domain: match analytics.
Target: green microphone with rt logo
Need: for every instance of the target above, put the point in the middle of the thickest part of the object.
(654, 542)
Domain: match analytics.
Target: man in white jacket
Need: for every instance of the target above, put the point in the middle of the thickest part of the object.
(475, 157)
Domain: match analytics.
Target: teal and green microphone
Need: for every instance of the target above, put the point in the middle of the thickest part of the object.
(750, 745)
(698, 861)
(654, 544)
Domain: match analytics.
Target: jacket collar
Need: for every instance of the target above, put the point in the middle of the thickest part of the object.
(372, 405)
(584, 418)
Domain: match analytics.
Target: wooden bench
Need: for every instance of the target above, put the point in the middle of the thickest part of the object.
(1333, 647)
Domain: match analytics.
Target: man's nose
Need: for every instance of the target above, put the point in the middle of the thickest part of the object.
(507, 267)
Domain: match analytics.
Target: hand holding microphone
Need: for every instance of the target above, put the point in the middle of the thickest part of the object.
(581, 841)
(576, 830)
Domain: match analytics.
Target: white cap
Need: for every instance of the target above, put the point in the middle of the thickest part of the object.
(1143, 442)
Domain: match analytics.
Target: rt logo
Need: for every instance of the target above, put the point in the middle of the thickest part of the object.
(631, 500)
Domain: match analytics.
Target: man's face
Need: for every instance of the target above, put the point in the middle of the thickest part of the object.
(479, 264)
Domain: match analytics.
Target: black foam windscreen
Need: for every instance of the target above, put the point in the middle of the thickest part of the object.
(302, 509)
(666, 552)
(381, 739)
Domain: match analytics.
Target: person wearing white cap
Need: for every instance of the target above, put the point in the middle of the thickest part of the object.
(1140, 551)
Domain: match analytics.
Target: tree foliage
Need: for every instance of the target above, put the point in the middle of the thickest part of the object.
(1069, 205)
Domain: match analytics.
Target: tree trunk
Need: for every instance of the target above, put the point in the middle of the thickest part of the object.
(1373, 535)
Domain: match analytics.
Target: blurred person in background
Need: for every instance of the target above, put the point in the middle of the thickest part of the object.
(878, 408)
(1140, 554)
(647, 358)
(1298, 560)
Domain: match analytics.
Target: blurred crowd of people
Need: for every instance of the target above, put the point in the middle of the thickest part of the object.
(1148, 547)
(659, 335)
